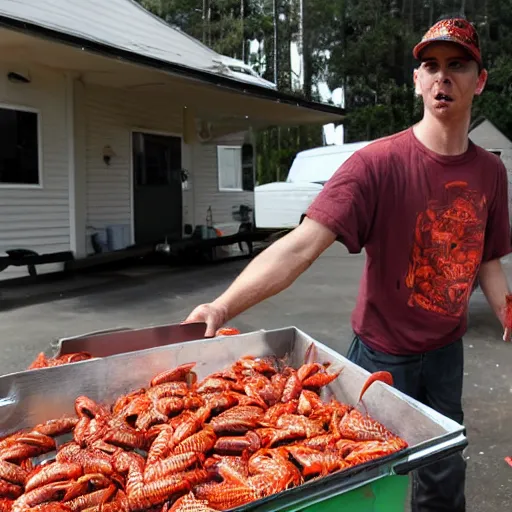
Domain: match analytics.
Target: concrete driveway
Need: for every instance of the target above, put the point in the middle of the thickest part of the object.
(319, 302)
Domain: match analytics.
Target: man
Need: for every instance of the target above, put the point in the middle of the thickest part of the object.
(431, 210)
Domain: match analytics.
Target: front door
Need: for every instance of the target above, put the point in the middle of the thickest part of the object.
(157, 196)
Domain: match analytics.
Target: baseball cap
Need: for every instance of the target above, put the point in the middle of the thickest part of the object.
(455, 30)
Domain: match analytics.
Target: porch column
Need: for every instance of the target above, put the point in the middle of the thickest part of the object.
(76, 118)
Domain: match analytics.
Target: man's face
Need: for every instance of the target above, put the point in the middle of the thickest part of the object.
(448, 80)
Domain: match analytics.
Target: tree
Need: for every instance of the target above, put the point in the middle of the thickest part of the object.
(363, 46)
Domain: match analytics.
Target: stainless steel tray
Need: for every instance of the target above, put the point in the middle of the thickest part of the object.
(124, 339)
(31, 397)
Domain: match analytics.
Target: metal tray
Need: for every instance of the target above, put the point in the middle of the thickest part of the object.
(124, 339)
(31, 397)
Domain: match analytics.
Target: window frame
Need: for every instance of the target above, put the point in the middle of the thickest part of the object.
(223, 189)
(40, 184)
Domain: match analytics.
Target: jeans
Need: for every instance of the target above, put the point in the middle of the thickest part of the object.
(435, 379)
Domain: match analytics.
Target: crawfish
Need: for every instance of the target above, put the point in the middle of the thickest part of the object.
(168, 389)
(370, 450)
(8, 490)
(50, 492)
(315, 462)
(92, 460)
(133, 464)
(126, 437)
(12, 473)
(160, 447)
(57, 427)
(272, 472)
(238, 420)
(85, 484)
(53, 473)
(92, 499)
(189, 424)
(272, 414)
(225, 495)
(189, 503)
(178, 374)
(157, 492)
(357, 427)
(238, 444)
(229, 468)
(27, 445)
(171, 465)
(201, 441)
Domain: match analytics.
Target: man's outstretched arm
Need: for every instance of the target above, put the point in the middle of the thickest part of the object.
(271, 272)
(494, 284)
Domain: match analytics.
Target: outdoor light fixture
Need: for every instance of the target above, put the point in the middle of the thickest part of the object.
(108, 153)
(16, 78)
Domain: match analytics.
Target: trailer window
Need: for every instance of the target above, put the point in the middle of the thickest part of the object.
(19, 148)
(229, 164)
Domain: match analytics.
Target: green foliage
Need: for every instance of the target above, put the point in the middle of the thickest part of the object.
(364, 46)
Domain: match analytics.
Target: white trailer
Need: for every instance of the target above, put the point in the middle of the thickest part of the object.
(282, 205)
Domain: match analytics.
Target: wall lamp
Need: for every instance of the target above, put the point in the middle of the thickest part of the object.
(108, 153)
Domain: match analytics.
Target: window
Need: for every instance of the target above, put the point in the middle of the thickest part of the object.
(19, 147)
(229, 162)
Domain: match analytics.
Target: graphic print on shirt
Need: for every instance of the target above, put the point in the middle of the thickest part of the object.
(447, 249)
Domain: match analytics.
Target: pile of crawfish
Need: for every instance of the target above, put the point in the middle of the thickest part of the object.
(42, 361)
(255, 429)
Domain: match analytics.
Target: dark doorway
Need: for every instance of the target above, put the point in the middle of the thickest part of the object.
(157, 196)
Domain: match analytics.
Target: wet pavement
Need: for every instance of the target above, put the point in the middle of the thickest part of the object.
(319, 303)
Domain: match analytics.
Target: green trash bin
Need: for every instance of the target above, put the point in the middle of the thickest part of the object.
(387, 494)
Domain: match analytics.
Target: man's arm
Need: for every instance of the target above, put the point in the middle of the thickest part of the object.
(494, 284)
(344, 210)
(272, 271)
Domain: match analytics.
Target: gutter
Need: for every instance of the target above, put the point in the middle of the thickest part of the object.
(177, 69)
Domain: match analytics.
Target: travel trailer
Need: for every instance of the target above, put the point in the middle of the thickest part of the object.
(282, 204)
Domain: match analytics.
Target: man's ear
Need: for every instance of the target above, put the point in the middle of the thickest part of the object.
(482, 81)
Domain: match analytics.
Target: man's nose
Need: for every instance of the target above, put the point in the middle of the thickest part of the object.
(443, 76)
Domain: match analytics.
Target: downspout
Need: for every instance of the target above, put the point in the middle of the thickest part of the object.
(70, 124)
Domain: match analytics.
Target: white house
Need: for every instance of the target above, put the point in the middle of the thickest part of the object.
(105, 110)
(486, 135)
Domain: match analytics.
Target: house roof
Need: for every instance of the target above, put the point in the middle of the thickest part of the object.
(122, 29)
(485, 134)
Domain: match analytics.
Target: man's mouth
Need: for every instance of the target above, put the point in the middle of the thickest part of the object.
(443, 97)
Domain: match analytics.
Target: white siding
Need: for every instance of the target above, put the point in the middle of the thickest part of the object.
(111, 115)
(206, 182)
(506, 156)
(38, 218)
(489, 137)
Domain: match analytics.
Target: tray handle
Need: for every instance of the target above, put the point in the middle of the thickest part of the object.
(420, 459)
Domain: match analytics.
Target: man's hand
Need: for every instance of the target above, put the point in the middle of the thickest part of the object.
(214, 315)
(494, 284)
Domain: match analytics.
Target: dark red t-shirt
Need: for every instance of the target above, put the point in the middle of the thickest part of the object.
(426, 222)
